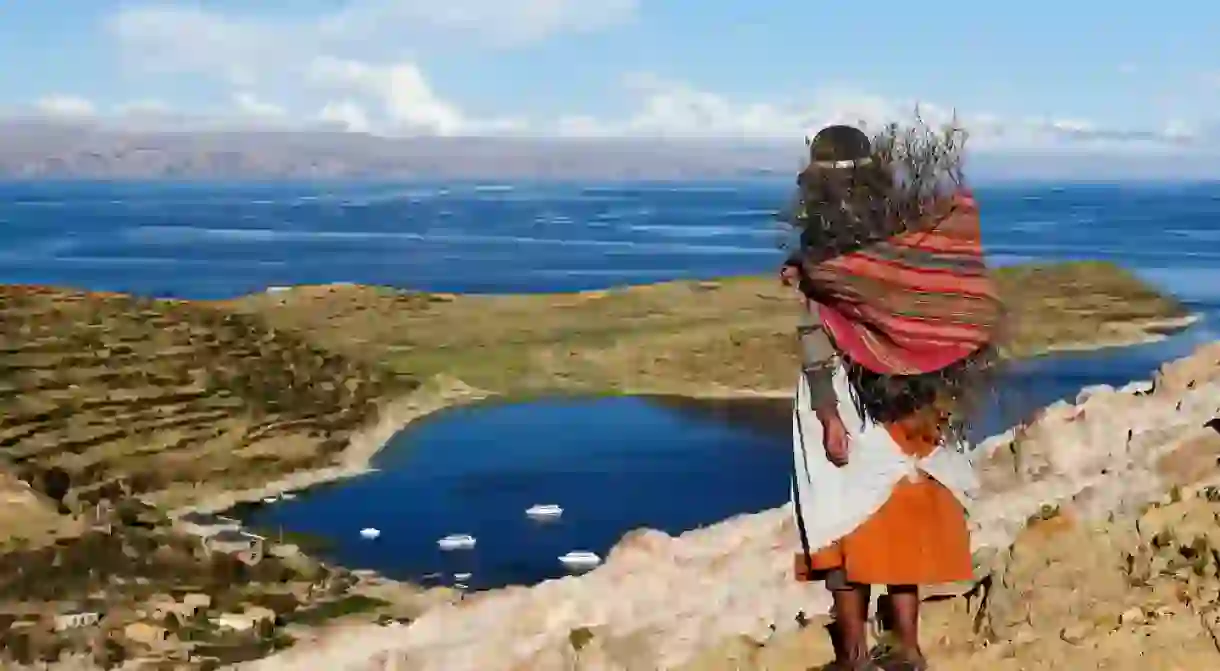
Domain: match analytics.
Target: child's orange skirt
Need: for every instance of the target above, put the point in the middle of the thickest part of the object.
(918, 537)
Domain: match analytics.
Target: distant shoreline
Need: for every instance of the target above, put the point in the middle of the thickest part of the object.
(52, 150)
(1134, 333)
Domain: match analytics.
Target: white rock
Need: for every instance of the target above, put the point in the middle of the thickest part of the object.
(1137, 387)
(1091, 391)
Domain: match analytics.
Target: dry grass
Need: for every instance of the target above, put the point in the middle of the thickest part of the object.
(1058, 305)
(676, 337)
(151, 393)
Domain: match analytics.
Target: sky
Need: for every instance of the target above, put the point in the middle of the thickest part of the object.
(1036, 74)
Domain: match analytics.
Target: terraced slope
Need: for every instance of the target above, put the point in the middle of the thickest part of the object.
(148, 394)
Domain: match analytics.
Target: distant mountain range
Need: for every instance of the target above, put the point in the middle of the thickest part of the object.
(37, 149)
(49, 150)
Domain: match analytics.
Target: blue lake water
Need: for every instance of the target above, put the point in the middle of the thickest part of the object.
(614, 463)
(209, 240)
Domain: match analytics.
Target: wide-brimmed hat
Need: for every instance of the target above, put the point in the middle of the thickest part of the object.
(838, 147)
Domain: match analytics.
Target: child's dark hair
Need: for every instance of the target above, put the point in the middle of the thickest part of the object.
(908, 170)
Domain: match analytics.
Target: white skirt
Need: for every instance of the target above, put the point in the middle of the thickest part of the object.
(829, 501)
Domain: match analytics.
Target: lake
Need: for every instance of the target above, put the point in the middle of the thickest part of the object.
(614, 463)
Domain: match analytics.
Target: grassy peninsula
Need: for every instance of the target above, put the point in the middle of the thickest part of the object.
(691, 338)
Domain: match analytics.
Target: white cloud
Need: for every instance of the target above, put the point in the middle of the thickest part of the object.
(407, 100)
(398, 99)
(68, 106)
(184, 39)
(403, 97)
(250, 105)
(496, 23)
(357, 68)
(675, 109)
(347, 60)
(149, 107)
(1176, 129)
(244, 49)
(346, 115)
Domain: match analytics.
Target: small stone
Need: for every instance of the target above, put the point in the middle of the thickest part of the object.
(1075, 633)
(1138, 387)
(1091, 391)
(1164, 612)
(1131, 616)
(1024, 636)
(1209, 594)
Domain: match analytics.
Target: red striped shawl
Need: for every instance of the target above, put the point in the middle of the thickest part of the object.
(914, 303)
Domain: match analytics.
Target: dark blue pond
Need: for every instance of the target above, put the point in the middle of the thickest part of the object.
(614, 464)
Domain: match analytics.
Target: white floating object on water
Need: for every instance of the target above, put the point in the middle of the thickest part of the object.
(461, 577)
(544, 511)
(369, 533)
(580, 560)
(270, 499)
(288, 496)
(461, 586)
(456, 542)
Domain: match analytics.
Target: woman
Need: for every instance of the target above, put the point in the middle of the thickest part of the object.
(900, 314)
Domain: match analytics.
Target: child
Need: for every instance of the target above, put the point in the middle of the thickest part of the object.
(899, 318)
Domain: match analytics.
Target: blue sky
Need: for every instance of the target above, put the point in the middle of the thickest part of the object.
(1029, 74)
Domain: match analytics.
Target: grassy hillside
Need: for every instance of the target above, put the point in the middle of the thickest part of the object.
(148, 393)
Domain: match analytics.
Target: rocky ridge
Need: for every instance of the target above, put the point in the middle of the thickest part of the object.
(1094, 533)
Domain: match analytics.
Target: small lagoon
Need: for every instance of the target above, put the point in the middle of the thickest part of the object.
(614, 463)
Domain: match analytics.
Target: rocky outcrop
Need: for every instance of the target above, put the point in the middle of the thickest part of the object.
(725, 593)
(1108, 453)
(1137, 593)
(657, 598)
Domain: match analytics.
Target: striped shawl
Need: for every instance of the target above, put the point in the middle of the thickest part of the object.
(914, 303)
